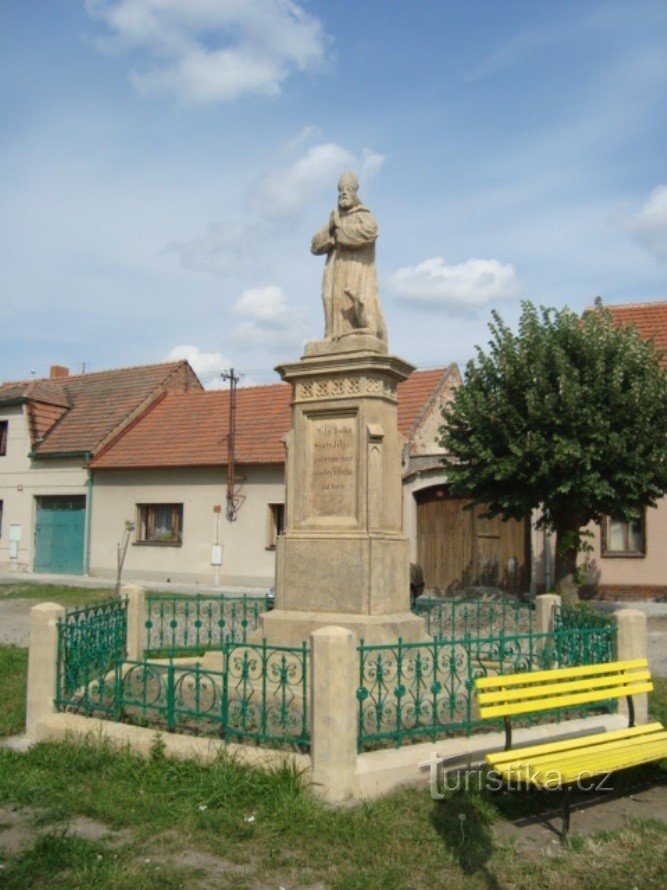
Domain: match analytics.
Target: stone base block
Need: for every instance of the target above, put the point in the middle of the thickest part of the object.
(355, 341)
(355, 574)
(291, 628)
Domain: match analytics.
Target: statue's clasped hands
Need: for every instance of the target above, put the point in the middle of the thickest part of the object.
(334, 222)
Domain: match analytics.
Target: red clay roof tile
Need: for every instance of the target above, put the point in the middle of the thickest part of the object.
(650, 319)
(190, 429)
(98, 402)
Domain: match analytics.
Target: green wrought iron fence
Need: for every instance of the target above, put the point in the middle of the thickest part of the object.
(569, 617)
(410, 691)
(454, 619)
(91, 641)
(260, 694)
(182, 624)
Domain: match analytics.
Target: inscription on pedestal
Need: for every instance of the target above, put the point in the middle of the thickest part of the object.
(333, 467)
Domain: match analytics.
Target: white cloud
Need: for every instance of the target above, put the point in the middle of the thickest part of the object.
(225, 247)
(466, 285)
(290, 190)
(649, 223)
(269, 321)
(206, 365)
(305, 134)
(283, 195)
(203, 51)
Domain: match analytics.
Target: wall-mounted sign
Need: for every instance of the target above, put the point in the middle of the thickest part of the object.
(216, 555)
(15, 533)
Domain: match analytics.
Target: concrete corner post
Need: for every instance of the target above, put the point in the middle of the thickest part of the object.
(136, 620)
(631, 643)
(42, 664)
(545, 604)
(334, 680)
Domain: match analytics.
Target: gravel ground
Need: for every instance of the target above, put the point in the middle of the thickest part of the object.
(656, 632)
(14, 621)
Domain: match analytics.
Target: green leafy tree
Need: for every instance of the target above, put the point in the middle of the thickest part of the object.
(568, 414)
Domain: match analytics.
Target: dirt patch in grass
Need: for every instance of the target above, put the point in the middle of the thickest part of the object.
(538, 834)
(21, 828)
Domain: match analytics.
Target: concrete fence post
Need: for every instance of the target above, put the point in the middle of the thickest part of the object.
(545, 604)
(631, 643)
(136, 620)
(334, 680)
(42, 664)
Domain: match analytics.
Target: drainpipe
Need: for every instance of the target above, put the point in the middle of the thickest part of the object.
(547, 562)
(89, 516)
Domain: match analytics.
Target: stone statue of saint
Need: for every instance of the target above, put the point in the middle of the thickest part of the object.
(349, 282)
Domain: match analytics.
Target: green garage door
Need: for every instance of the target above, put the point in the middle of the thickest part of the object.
(59, 534)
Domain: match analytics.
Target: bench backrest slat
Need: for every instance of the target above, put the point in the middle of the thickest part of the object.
(610, 682)
(584, 670)
(514, 694)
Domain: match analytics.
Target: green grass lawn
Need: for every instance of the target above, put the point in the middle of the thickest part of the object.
(13, 670)
(657, 703)
(54, 593)
(185, 824)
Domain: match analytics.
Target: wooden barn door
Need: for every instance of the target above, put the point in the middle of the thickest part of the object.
(457, 548)
(444, 539)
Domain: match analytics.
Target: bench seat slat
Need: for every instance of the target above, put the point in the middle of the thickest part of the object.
(560, 701)
(528, 678)
(610, 680)
(582, 754)
(498, 757)
(569, 771)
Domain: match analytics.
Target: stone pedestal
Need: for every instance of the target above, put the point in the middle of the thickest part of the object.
(342, 559)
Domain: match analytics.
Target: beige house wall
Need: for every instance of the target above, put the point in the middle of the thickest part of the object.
(22, 480)
(637, 576)
(649, 570)
(247, 560)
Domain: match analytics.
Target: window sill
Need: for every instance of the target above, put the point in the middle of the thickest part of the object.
(157, 543)
(630, 554)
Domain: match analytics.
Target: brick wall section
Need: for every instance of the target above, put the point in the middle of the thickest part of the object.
(630, 593)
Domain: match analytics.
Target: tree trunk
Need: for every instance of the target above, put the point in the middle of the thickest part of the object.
(567, 550)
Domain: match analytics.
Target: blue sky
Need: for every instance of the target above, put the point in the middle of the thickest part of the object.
(164, 163)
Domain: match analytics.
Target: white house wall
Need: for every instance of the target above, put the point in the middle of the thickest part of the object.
(246, 559)
(22, 480)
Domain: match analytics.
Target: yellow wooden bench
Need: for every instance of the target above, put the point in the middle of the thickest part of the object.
(563, 764)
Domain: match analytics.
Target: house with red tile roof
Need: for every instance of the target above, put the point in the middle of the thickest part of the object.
(628, 560)
(166, 471)
(49, 431)
(650, 320)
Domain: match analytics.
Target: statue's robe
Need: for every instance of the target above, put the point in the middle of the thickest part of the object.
(349, 282)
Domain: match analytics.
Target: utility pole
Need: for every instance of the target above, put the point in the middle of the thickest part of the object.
(233, 501)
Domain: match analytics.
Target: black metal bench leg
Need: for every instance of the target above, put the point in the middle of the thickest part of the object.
(567, 799)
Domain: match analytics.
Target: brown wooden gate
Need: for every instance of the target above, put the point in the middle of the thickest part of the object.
(458, 548)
